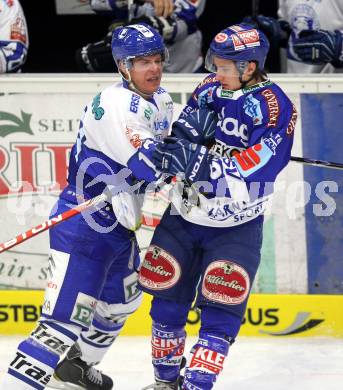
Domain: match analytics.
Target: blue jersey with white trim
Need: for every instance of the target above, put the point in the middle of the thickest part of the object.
(252, 144)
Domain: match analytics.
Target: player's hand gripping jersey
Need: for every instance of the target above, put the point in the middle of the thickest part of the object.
(252, 144)
(119, 130)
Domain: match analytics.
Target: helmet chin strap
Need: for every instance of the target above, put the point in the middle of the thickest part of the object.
(132, 85)
(241, 67)
(244, 83)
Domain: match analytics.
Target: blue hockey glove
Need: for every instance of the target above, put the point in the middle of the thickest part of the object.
(173, 156)
(320, 47)
(277, 31)
(198, 127)
(187, 12)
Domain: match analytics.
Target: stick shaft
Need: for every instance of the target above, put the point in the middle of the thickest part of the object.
(51, 222)
(318, 163)
(101, 198)
(255, 8)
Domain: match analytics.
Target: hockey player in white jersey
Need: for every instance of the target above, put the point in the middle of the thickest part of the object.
(94, 257)
(14, 40)
(312, 31)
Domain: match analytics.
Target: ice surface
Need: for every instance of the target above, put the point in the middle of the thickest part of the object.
(253, 363)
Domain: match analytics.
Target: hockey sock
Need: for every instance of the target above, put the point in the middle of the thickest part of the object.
(37, 356)
(31, 368)
(218, 331)
(95, 342)
(206, 362)
(168, 344)
(168, 337)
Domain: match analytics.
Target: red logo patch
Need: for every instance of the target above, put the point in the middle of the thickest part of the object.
(226, 282)
(159, 270)
(207, 360)
(244, 39)
(162, 347)
(221, 37)
(134, 139)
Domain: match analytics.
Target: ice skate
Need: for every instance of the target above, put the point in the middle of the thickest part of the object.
(177, 385)
(73, 373)
(158, 385)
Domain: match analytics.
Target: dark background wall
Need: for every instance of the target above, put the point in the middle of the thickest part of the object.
(55, 38)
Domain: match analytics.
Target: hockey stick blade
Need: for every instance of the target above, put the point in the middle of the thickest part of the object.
(52, 222)
(318, 163)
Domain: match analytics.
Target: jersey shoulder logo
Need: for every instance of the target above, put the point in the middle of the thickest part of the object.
(97, 110)
(252, 108)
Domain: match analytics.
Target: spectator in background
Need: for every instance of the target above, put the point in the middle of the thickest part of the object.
(312, 32)
(175, 20)
(14, 40)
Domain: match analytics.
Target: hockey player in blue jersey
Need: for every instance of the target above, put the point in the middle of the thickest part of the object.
(94, 256)
(207, 245)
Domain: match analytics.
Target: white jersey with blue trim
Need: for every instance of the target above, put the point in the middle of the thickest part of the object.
(119, 130)
(311, 15)
(14, 40)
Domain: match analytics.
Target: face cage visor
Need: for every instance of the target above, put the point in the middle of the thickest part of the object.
(128, 61)
(231, 69)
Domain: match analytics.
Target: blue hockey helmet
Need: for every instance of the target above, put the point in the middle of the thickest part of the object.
(137, 40)
(239, 43)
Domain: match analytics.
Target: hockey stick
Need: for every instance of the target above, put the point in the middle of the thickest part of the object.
(255, 8)
(318, 163)
(52, 222)
(102, 197)
(130, 10)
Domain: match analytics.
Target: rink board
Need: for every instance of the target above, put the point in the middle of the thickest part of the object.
(267, 315)
(39, 120)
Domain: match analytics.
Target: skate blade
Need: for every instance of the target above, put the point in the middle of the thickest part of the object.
(55, 383)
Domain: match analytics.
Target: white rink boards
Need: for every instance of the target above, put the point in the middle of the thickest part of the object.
(253, 363)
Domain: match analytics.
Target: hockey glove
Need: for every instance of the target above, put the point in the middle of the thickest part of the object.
(198, 127)
(96, 57)
(277, 31)
(320, 47)
(165, 26)
(175, 156)
(186, 11)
